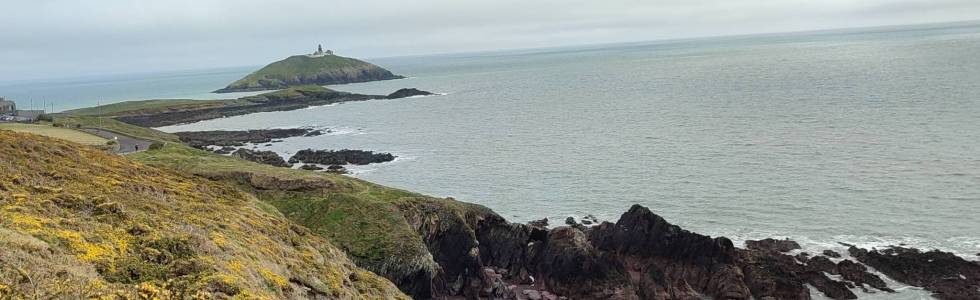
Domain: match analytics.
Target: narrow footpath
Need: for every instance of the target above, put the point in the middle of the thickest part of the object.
(127, 144)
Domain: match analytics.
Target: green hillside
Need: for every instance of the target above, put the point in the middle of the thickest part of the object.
(305, 69)
(79, 223)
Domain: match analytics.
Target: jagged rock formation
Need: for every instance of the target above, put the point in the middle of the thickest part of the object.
(340, 157)
(948, 276)
(641, 256)
(263, 157)
(409, 92)
(306, 69)
(202, 139)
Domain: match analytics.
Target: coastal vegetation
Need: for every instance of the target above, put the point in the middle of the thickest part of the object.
(111, 124)
(309, 69)
(157, 113)
(176, 222)
(57, 132)
(76, 222)
(362, 218)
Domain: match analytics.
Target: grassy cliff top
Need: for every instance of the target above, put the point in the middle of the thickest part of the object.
(305, 69)
(79, 223)
(131, 107)
(368, 221)
(47, 130)
(360, 217)
(105, 116)
(142, 107)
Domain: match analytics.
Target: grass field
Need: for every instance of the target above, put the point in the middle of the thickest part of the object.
(143, 105)
(56, 132)
(111, 124)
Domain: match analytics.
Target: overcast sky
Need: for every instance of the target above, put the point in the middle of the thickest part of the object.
(68, 38)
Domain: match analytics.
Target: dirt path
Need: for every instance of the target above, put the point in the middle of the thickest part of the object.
(127, 144)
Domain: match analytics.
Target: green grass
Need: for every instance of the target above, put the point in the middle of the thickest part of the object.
(111, 124)
(276, 75)
(128, 107)
(295, 91)
(78, 223)
(302, 64)
(70, 135)
(362, 218)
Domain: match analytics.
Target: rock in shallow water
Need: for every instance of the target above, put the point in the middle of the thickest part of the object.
(340, 157)
(409, 92)
(945, 274)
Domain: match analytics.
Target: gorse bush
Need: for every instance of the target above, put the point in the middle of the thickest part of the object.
(78, 223)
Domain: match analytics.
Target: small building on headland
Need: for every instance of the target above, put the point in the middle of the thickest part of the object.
(319, 52)
(24, 115)
(7, 107)
(10, 113)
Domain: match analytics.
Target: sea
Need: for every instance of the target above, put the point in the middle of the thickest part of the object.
(868, 137)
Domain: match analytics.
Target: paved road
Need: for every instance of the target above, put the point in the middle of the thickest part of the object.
(127, 144)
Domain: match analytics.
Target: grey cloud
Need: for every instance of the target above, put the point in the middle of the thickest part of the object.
(55, 38)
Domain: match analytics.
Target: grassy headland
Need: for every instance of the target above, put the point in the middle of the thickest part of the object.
(303, 69)
(156, 113)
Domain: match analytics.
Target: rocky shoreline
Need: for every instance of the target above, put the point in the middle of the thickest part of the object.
(284, 100)
(227, 141)
(476, 254)
(642, 256)
(228, 138)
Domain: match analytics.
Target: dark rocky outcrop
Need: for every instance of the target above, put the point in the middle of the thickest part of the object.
(340, 157)
(476, 254)
(829, 287)
(570, 265)
(201, 139)
(542, 223)
(831, 253)
(288, 99)
(769, 273)
(337, 169)
(773, 245)
(262, 157)
(859, 274)
(944, 274)
(409, 92)
(821, 264)
(665, 258)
